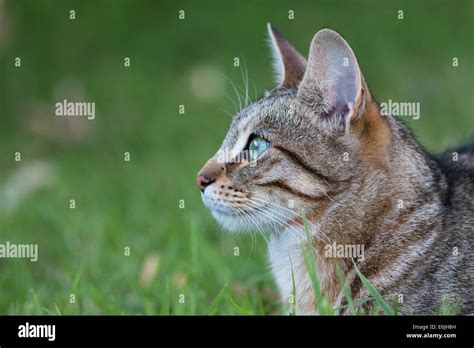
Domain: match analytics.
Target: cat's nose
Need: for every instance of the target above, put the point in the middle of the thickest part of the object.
(203, 181)
(208, 174)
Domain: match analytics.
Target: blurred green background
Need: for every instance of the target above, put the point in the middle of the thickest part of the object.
(136, 204)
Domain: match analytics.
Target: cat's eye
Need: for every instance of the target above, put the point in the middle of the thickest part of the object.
(257, 146)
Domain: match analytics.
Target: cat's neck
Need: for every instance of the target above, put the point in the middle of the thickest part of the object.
(387, 197)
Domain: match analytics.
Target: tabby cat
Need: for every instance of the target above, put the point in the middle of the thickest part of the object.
(318, 145)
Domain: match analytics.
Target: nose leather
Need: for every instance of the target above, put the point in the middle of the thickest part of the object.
(208, 174)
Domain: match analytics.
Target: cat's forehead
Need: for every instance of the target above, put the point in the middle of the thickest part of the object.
(275, 111)
(273, 107)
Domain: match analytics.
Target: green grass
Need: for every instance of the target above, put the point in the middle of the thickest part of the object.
(136, 204)
(381, 302)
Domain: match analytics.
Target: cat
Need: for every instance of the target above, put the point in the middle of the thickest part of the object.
(318, 145)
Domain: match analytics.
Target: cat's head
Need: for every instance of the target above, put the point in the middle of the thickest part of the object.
(301, 145)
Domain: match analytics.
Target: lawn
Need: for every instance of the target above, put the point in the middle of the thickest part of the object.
(118, 236)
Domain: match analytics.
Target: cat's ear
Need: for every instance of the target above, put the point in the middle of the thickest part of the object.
(333, 84)
(288, 63)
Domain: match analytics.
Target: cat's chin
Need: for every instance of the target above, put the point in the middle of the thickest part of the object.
(231, 222)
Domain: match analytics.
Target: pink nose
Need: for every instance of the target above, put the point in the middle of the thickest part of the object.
(202, 181)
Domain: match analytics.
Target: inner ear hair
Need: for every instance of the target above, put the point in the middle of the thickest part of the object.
(333, 83)
(289, 65)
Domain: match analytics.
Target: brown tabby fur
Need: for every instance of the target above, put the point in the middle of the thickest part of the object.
(359, 177)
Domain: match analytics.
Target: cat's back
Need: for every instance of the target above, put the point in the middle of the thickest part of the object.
(458, 168)
(456, 239)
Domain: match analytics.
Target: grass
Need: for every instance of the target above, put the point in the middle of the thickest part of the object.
(136, 204)
(387, 309)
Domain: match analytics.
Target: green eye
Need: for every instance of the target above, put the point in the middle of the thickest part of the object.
(256, 147)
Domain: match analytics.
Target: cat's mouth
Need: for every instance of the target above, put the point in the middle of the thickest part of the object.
(232, 216)
(224, 210)
(244, 214)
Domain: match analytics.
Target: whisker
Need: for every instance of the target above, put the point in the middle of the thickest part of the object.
(319, 231)
(326, 194)
(245, 78)
(232, 101)
(283, 224)
(226, 112)
(235, 90)
(259, 212)
(254, 222)
(275, 218)
(294, 213)
(267, 212)
(242, 216)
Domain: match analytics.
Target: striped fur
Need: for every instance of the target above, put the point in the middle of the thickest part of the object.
(359, 177)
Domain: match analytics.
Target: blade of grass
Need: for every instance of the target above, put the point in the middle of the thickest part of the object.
(261, 308)
(165, 307)
(58, 311)
(446, 307)
(293, 290)
(248, 304)
(345, 289)
(310, 262)
(192, 300)
(395, 305)
(239, 309)
(36, 301)
(78, 276)
(194, 245)
(217, 300)
(373, 291)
